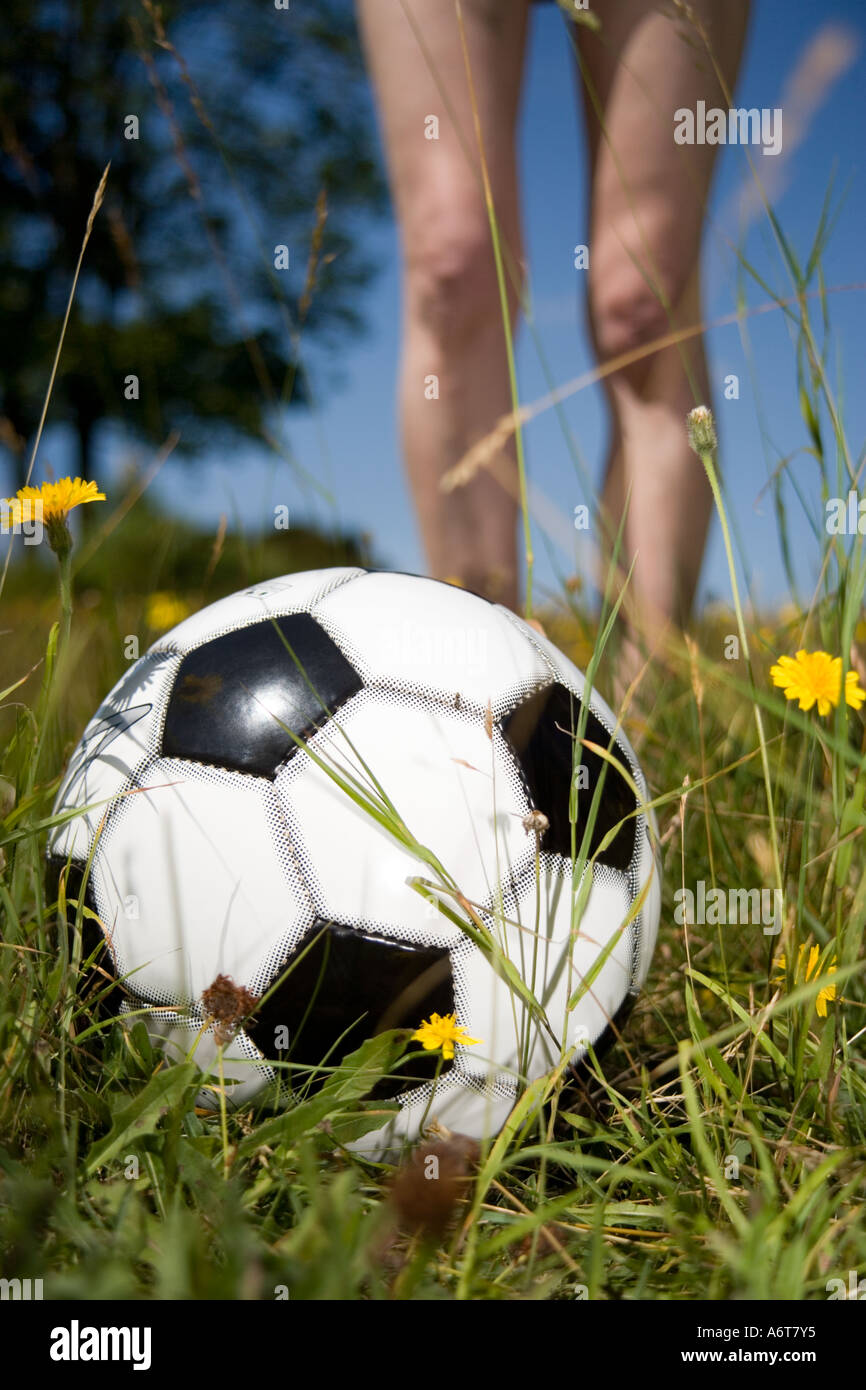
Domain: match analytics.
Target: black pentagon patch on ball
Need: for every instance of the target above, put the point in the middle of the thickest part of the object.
(349, 986)
(541, 732)
(233, 695)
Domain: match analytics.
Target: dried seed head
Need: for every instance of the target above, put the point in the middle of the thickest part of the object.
(428, 1185)
(227, 1004)
(488, 721)
(536, 823)
(694, 670)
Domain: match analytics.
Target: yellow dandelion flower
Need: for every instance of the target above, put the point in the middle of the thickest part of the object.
(816, 678)
(165, 609)
(810, 971)
(854, 692)
(58, 499)
(442, 1030)
(54, 501)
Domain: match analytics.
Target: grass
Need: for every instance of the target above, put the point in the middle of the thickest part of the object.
(719, 1151)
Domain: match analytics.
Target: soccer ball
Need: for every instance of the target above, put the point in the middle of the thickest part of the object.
(376, 792)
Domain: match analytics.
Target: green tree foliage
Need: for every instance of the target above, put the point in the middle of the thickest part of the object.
(152, 550)
(253, 132)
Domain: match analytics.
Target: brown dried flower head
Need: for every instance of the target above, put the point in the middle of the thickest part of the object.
(226, 1005)
(428, 1185)
(536, 823)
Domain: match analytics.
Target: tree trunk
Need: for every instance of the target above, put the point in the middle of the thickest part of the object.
(84, 429)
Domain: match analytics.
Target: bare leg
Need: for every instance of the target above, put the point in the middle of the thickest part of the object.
(648, 201)
(452, 326)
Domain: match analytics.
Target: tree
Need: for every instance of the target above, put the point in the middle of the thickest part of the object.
(232, 129)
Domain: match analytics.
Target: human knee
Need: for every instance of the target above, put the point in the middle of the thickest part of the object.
(452, 290)
(628, 314)
(633, 307)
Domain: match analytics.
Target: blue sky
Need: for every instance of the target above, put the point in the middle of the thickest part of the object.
(350, 440)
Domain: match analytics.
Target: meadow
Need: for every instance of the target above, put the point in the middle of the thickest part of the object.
(719, 1150)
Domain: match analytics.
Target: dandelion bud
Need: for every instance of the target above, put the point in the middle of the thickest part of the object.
(702, 430)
